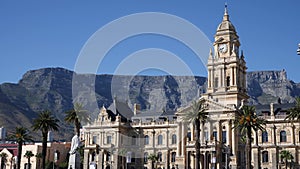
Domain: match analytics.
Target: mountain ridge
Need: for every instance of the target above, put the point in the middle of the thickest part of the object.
(51, 89)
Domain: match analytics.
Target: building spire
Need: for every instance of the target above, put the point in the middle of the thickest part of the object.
(226, 16)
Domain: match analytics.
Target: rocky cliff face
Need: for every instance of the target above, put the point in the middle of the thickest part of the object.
(265, 87)
(51, 89)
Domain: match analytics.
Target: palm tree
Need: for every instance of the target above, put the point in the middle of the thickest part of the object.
(38, 157)
(295, 111)
(197, 116)
(76, 116)
(28, 155)
(3, 157)
(246, 121)
(45, 122)
(153, 158)
(21, 135)
(286, 155)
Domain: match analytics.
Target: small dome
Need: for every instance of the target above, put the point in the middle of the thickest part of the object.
(226, 25)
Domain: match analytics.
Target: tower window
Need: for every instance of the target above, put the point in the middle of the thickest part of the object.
(228, 81)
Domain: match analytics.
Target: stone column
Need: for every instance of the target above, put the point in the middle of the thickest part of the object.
(153, 139)
(220, 78)
(86, 159)
(183, 135)
(201, 133)
(100, 159)
(232, 76)
(178, 152)
(117, 140)
(208, 79)
(167, 164)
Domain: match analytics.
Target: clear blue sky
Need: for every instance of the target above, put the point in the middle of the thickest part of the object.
(39, 34)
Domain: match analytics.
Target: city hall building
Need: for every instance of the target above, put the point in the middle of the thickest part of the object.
(114, 141)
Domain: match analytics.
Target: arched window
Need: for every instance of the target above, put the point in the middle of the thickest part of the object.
(173, 157)
(145, 157)
(282, 136)
(159, 156)
(160, 140)
(265, 156)
(264, 136)
(174, 139)
(146, 140)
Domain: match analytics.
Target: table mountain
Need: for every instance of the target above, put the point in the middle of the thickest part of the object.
(51, 89)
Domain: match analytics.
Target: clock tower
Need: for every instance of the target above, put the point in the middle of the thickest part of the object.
(226, 67)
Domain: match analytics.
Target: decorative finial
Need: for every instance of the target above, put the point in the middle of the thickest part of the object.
(226, 12)
(226, 16)
(242, 54)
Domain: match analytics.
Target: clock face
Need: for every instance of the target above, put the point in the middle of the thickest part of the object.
(223, 48)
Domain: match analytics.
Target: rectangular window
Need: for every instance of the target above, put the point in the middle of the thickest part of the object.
(95, 138)
(173, 157)
(206, 137)
(108, 139)
(215, 135)
(224, 137)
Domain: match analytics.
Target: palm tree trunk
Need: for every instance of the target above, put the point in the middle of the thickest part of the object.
(197, 143)
(19, 155)
(28, 163)
(248, 149)
(77, 127)
(44, 148)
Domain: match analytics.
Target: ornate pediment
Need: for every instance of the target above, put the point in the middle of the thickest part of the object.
(212, 107)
